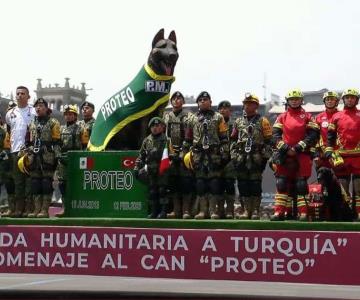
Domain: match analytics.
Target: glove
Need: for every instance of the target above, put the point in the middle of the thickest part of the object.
(298, 148)
(328, 154)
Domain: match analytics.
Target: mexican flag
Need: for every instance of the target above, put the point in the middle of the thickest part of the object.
(145, 93)
(165, 161)
(86, 163)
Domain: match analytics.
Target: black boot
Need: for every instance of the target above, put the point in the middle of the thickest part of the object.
(154, 210)
(163, 212)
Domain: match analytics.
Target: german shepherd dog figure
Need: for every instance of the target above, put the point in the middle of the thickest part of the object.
(162, 61)
(335, 204)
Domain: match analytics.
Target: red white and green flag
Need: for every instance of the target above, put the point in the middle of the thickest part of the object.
(165, 161)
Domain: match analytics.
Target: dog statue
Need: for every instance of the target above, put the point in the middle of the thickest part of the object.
(123, 119)
(335, 203)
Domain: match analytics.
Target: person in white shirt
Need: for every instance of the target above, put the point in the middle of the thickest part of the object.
(18, 120)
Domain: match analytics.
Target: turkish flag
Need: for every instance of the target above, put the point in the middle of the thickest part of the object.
(128, 162)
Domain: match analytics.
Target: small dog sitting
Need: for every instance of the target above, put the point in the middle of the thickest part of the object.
(335, 205)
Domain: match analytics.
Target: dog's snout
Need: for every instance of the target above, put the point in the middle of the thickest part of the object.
(173, 56)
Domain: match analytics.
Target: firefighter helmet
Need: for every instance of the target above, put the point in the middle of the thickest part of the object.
(294, 94)
(251, 98)
(71, 108)
(188, 160)
(23, 164)
(331, 94)
(350, 92)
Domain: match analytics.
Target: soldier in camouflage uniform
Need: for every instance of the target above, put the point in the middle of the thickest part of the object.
(249, 154)
(5, 166)
(72, 137)
(87, 110)
(180, 178)
(148, 164)
(207, 135)
(43, 148)
(227, 178)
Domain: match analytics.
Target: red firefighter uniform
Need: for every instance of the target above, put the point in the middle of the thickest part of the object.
(344, 133)
(323, 120)
(294, 131)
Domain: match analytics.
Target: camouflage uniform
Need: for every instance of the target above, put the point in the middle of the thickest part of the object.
(249, 154)
(180, 178)
(88, 124)
(148, 162)
(73, 136)
(207, 135)
(42, 152)
(5, 170)
(227, 179)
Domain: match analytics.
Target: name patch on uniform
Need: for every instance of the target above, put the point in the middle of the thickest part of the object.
(157, 86)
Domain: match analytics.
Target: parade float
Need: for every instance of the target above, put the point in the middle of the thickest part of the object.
(105, 230)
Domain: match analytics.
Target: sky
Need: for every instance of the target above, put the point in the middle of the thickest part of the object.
(225, 47)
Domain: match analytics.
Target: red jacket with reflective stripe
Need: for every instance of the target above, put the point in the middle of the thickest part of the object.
(294, 123)
(323, 119)
(346, 124)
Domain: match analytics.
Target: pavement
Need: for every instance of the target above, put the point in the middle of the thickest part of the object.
(35, 286)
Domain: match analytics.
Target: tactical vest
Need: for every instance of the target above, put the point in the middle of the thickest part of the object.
(71, 137)
(175, 128)
(42, 132)
(44, 136)
(250, 134)
(153, 147)
(87, 125)
(206, 129)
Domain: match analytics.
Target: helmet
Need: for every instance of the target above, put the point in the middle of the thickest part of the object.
(294, 94)
(23, 164)
(188, 160)
(251, 98)
(70, 108)
(350, 92)
(331, 94)
(11, 104)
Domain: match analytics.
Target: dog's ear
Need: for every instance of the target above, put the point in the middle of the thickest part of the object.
(159, 36)
(172, 36)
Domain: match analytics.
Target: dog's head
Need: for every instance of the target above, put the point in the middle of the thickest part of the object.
(164, 54)
(326, 176)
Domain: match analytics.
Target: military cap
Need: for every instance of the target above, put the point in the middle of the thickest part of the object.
(155, 121)
(41, 100)
(177, 94)
(203, 94)
(224, 103)
(87, 103)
